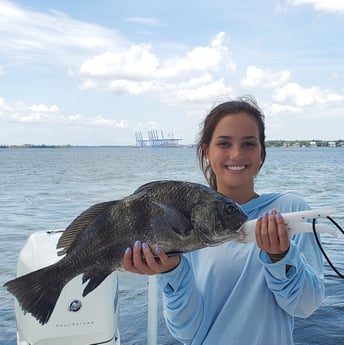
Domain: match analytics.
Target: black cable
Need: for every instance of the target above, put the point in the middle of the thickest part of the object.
(321, 247)
(336, 224)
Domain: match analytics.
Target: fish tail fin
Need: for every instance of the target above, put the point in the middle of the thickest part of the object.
(36, 293)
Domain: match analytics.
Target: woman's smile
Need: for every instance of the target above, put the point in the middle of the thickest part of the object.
(236, 168)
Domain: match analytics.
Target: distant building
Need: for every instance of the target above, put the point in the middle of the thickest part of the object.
(331, 144)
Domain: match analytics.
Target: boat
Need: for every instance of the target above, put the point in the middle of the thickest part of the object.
(76, 320)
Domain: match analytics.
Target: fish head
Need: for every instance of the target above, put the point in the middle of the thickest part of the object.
(217, 219)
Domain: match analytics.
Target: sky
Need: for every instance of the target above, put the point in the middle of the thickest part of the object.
(86, 72)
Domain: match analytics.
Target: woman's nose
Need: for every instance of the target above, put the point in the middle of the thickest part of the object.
(235, 153)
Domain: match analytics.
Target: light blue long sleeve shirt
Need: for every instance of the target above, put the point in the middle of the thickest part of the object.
(233, 294)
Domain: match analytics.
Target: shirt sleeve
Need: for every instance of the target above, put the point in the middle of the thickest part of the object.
(299, 290)
(183, 303)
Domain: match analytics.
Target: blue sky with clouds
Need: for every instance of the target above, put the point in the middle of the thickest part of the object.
(88, 72)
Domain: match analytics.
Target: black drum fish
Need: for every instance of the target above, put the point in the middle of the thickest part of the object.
(175, 216)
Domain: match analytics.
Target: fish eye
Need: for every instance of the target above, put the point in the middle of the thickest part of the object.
(230, 209)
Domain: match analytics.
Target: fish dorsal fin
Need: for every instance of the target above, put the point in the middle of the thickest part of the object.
(148, 186)
(79, 224)
(177, 221)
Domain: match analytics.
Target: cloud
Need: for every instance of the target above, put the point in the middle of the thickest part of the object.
(42, 108)
(144, 20)
(212, 58)
(138, 70)
(293, 97)
(256, 77)
(203, 91)
(136, 63)
(38, 114)
(333, 6)
(28, 35)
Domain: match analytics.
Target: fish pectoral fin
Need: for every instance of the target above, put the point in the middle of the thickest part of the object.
(95, 279)
(79, 224)
(175, 219)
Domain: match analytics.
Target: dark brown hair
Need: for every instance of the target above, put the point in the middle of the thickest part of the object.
(246, 104)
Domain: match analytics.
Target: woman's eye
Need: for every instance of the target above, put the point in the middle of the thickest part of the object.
(223, 144)
(250, 144)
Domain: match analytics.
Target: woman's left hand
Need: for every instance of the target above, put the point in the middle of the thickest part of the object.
(141, 260)
(272, 235)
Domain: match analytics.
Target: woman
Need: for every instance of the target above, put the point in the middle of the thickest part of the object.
(238, 294)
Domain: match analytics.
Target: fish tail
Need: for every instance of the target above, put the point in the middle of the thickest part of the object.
(36, 293)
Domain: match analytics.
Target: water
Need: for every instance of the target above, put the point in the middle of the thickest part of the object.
(46, 188)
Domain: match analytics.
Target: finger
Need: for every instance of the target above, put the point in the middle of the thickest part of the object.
(139, 261)
(284, 241)
(273, 233)
(167, 263)
(128, 261)
(259, 239)
(264, 232)
(152, 261)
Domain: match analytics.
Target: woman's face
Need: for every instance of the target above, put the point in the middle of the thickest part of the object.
(234, 153)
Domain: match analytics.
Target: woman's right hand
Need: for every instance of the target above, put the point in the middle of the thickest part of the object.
(141, 260)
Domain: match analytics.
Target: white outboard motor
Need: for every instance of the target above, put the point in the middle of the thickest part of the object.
(76, 320)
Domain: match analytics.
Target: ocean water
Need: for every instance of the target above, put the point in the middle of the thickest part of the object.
(45, 189)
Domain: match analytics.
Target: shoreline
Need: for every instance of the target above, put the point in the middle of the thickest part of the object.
(269, 143)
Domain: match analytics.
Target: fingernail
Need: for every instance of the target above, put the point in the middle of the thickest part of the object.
(158, 251)
(144, 245)
(259, 218)
(271, 212)
(127, 251)
(137, 243)
(278, 215)
(265, 215)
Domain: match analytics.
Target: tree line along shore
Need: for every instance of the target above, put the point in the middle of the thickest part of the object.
(269, 143)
